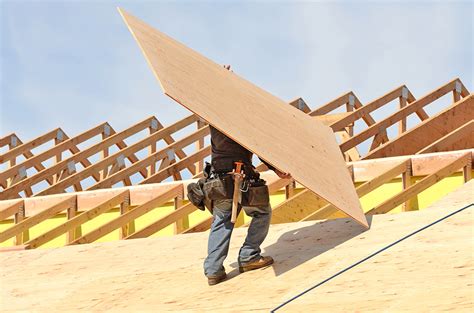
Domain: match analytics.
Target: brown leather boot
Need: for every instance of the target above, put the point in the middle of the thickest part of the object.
(263, 261)
(215, 279)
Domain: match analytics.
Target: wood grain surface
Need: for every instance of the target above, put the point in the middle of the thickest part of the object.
(430, 272)
(279, 133)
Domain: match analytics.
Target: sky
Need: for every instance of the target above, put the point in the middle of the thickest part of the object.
(74, 64)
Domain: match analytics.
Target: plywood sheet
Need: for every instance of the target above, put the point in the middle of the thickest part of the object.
(165, 274)
(282, 135)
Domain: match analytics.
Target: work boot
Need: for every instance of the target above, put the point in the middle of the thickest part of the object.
(263, 261)
(215, 279)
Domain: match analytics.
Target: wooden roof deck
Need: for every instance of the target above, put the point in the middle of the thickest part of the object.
(432, 270)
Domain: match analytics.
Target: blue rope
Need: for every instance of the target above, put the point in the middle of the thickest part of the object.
(368, 257)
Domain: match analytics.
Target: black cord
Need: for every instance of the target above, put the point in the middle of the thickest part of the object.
(368, 257)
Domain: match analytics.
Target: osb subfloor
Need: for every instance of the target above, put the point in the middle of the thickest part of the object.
(431, 271)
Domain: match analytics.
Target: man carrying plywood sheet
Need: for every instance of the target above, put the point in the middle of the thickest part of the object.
(301, 145)
(225, 153)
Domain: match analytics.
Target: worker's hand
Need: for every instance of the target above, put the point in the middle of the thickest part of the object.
(282, 174)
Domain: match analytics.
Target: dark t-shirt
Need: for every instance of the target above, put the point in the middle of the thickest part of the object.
(226, 151)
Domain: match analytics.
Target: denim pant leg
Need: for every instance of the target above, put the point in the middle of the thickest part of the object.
(219, 237)
(256, 233)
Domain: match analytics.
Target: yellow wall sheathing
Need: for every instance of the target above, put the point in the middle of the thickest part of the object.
(377, 196)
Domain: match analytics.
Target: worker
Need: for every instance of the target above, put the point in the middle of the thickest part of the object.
(225, 152)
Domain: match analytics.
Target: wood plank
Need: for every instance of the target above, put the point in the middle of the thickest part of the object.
(79, 157)
(35, 161)
(332, 105)
(421, 185)
(177, 167)
(400, 114)
(69, 181)
(11, 209)
(451, 141)
(78, 220)
(369, 107)
(125, 218)
(151, 159)
(38, 218)
(6, 140)
(429, 131)
(100, 165)
(214, 93)
(28, 146)
(422, 164)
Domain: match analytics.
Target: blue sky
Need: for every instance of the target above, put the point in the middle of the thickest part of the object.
(74, 64)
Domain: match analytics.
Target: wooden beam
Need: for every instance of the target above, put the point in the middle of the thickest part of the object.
(421, 185)
(429, 131)
(332, 105)
(460, 138)
(369, 107)
(179, 152)
(151, 159)
(11, 209)
(60, 186)
(422, 164)
(387, 122)
(100, 165)
(70, 144)
(125, 218)
(6, 140)
(28, 146)
(176, 167)
(198, 78)
(38, 218)
(78, 220)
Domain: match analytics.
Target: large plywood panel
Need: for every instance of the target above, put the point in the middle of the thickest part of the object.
(282, 135)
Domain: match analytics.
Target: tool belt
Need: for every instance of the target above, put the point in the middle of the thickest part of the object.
(218, 185)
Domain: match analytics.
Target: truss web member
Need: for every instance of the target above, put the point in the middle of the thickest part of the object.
(218, 190)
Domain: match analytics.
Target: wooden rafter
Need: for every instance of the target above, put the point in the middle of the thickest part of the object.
(413, 107)
(38, 218)
(110, 160)
(461, 162)
(68, 144)
(78, 220)
(451, 140)
(426, 133)
(56, 134)
(115, 139)
(158, 200)
(155, 157)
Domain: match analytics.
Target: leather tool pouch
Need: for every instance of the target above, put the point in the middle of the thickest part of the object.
(219, 188)
(256, 196)
(196, 194)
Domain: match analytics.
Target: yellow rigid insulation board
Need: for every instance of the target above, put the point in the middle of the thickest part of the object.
(264, 124)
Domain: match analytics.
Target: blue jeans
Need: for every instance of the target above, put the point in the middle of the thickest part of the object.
(221, 230)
